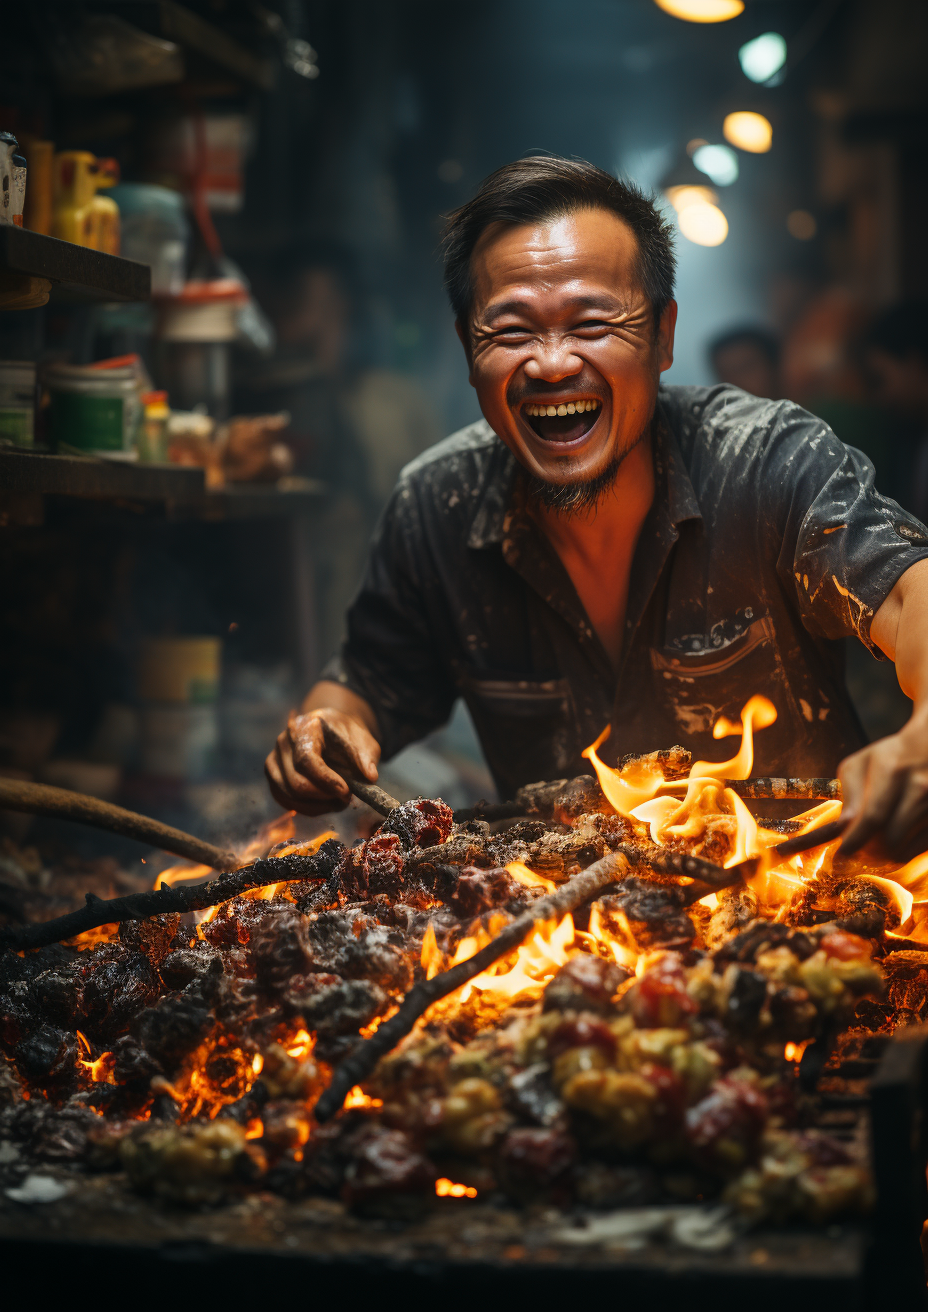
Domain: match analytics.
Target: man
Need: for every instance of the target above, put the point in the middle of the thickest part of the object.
(748, 358)
(601, 550)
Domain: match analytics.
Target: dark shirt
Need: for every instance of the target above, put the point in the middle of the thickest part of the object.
(766, 545)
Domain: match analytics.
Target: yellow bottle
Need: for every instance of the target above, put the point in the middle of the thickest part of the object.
(80, 215)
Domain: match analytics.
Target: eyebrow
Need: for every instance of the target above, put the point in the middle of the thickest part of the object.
(516, 306)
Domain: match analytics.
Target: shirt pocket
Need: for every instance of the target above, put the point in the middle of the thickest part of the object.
(519, 699)
(699, 687)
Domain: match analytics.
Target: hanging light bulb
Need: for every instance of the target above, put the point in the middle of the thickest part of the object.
(720, 163)
(748, 131)
(702, 11)
(703, 224)
(762, 58)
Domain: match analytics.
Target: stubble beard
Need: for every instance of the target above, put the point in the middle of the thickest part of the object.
(568, 500)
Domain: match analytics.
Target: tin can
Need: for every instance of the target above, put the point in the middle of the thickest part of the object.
(94, 409)
(17, 402)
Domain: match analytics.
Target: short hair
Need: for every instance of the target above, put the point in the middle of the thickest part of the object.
(541, 187)
(747, 335)
(900, 331)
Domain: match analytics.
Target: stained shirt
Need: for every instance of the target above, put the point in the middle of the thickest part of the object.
(766, 545)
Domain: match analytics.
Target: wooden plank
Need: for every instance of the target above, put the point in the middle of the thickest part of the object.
(187, 28)
(77, 268)
(24, 473)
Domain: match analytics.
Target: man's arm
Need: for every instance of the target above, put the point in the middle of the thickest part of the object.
(335, 727)
(886, 784)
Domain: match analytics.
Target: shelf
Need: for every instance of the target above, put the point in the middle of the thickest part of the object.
(89, 274)
(27, 478)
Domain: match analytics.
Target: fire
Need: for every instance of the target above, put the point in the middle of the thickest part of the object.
(794, 1051)
(445, 1188)
(91, 937)
(100, 1071)
(358, 1098)
(529, 878)
(300, 1046)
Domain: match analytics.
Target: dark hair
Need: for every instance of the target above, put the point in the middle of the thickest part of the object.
(545, 187)
(748, 335)
(901, 330)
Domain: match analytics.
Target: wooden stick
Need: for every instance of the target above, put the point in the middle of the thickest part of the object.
(372, 794)
(535, 797)
(42, 799)
(139, 906)
(365, 1056)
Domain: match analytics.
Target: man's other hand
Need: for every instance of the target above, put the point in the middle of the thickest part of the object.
(885, 790)
(334, 733)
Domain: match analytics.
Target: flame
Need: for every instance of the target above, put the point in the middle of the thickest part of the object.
(520, 871)
(358, 1098)
(794, 1051)
(433, 963)
(300, 1046)
(89, 938)
(627, 788)
(758, 710)
(444, 1188)
(101, 1071)
(254, 1129)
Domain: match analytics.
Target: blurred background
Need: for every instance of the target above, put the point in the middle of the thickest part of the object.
(283, 168)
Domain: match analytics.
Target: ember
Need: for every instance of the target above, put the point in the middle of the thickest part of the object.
(651, 1044)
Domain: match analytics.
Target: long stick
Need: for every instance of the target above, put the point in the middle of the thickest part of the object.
(138, 906)
(536, 797)
(362, 1060)
(42, 799)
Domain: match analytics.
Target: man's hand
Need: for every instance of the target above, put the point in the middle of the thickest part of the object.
(334, 733)
(885, 790)
(886, 784)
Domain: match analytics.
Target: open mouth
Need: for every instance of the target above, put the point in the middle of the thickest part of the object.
(562, 421)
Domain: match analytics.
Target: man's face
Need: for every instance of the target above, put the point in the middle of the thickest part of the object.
(563, 350)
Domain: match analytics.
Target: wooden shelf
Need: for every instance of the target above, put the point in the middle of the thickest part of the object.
(27, 478)
(89, 274)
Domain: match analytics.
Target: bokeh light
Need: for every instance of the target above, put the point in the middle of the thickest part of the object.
(702, 11)
(703, 224)
(681, 197)
(720, 163)
(748, 131)
(801, 225)
(763, 57)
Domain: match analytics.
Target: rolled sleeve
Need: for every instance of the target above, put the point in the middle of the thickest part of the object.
(844, 545)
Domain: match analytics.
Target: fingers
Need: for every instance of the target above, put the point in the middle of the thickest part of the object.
(302, 747)
(909, 821)
(886, 795)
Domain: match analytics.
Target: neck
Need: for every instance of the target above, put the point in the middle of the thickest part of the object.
(618, 513)
(596, 546)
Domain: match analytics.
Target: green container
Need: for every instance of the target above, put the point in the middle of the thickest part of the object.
(94, 409)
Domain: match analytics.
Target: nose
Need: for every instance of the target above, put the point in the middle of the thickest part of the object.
(551, 361)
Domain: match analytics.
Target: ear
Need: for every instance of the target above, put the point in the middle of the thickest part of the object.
(464, 337)
(665, 334)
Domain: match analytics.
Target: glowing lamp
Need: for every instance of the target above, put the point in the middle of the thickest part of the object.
(702, 11)
(748, 131)
(762, 58)
(703, 224)
(681, 197)
(720, 163)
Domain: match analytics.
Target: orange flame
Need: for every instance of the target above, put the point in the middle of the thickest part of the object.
(444, 1188)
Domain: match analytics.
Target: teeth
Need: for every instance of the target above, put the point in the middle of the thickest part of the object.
(564, 408)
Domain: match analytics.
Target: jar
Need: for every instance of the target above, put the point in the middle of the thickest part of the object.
(153, 435)
(95, 410)
(17, 402)
(154, 232)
